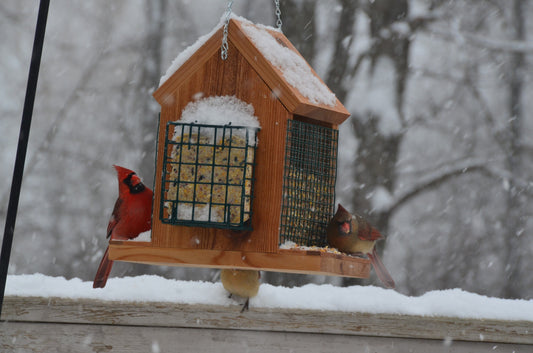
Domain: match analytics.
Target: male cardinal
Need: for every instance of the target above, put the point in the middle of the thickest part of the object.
(352, 235)
(131, 216)
(244, 283)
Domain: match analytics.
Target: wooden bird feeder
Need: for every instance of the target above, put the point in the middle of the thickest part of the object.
(231, 196)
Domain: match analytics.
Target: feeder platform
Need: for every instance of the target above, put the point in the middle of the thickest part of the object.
(285, 260)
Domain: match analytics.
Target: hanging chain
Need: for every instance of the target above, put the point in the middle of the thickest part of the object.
(278, 14)
(224, 47)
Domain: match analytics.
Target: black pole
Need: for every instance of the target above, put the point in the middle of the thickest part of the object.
(24, 135)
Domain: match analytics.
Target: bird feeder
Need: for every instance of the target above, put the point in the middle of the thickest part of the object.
(234, 195)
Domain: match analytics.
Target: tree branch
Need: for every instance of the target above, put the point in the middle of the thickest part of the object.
(487, 114)
(505, 45)
(432, 183)
(461, 168)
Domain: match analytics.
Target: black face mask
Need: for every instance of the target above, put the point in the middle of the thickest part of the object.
(134, 189)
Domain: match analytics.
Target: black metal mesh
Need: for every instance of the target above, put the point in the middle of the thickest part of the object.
(308, 183)
(208, 175)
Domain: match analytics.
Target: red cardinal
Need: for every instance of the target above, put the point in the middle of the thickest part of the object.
(131, 216)
(352, 235)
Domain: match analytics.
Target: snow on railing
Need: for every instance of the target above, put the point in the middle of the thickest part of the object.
(37, 306)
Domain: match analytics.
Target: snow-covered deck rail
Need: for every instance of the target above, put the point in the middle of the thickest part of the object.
(42, 324)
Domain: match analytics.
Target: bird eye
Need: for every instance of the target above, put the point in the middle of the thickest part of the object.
(134, 183)
(132, 179)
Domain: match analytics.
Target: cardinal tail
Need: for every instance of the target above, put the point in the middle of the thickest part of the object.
(382, 273)
(103, 271)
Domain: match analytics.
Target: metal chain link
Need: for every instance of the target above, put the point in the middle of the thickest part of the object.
(224, 47)
(278, 14)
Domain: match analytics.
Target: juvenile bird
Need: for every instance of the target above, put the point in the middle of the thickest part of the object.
(131, 216)
(354, 235)
(244, 283)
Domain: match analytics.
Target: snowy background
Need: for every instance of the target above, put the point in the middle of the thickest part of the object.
(437, 152)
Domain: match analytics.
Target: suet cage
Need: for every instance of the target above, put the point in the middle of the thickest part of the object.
(308, 183)
(208, 175)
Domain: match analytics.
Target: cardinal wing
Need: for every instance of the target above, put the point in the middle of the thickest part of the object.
(366, 231)
(115, 217)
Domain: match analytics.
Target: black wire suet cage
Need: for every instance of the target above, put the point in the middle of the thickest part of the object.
(208, 175)
(308, 183)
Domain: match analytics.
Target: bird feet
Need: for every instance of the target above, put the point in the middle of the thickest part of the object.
(246, 305)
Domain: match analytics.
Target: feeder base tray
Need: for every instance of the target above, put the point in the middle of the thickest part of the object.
(285, 260)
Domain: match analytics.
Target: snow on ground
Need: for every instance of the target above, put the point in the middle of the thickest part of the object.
(368, 299)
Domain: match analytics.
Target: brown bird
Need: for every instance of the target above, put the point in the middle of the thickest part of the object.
(244, 283)
(354, 235)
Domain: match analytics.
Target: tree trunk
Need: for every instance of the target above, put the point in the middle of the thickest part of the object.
(378, 152)
(338, 69)
(299, 26)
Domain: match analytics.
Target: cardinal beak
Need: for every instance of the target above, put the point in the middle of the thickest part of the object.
(345, 228)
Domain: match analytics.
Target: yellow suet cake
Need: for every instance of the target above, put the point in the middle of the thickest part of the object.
(214, 175)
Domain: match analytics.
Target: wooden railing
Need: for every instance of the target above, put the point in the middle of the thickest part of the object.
(38, 324)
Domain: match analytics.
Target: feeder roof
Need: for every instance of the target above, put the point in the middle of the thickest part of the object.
(290, 78)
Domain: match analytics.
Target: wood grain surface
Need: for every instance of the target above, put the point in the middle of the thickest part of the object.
(291, 261)
(231, 77)
(36, 324)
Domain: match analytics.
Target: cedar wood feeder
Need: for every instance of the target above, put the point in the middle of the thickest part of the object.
(227, 196)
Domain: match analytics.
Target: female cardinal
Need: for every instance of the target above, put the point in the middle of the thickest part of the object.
(131, 216)
(352, 235)
(244, 283)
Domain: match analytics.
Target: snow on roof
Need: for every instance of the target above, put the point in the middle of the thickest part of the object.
(187, 53)
(368, 299)
(190, 50)
(295, 69)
